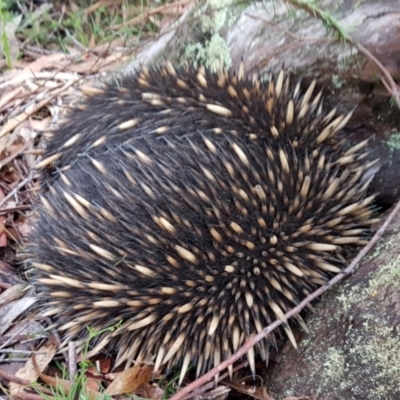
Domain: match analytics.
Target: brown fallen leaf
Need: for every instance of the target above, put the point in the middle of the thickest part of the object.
(93, 379)
(148, 391)
(33, 367)
(15, 292)
(105, 365)
(259, 393)
(64, 383)
(8, 275)
(7, 97)
(128, 381)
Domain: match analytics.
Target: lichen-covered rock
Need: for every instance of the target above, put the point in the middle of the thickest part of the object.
(353, 349)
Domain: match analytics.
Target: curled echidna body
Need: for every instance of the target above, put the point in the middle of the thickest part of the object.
(164, 102)
(196, 240)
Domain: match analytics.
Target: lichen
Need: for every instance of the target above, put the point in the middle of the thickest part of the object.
(214, 54)
(374, 356)
(394, 141)
(353, 348)
(366, 363)
(215, 17)
(220, 16)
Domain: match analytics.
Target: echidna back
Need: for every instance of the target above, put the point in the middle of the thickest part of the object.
(191, 211)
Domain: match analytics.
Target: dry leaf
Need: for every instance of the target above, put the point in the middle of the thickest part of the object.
(128, 381)
(31, 372)
(105, 365)
(13, 293)
(57, 382)
(259, 393)
(8, 274)
(219, 393)
(148, 391)
(11, 95)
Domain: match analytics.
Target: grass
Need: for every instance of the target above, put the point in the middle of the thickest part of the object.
(169, 382)
(59, 26)
(79, 383)
(5, 17)
(55, 26)
(78, 388)
(331, 24)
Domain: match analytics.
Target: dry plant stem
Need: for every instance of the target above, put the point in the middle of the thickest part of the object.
(12, 378)
(58, 338)
(154, 11)
(14, 209)
(28, 352)
(72, 360)
(256, 338)
(389, 82)
(14, 155)
(17, 188)
(14, 337)
(31, 396)
(102, 3)
(210, 385)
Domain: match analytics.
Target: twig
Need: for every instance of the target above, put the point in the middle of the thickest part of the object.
(254, 339)
(72, 360)
(314, 11)
(389, 82)
(14, 155)
(210, 385)
(17, 188)
(28, 352)
(14, 209)
(175, 5)
(12, 378)
(32, 396)
(15, 336)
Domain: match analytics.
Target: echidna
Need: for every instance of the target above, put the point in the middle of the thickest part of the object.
(164, 101)
(201, 208)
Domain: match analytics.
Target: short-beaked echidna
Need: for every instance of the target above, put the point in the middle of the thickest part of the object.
(217, 210)
(164, 101)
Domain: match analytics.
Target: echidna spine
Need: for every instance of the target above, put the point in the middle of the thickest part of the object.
(201, 208)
